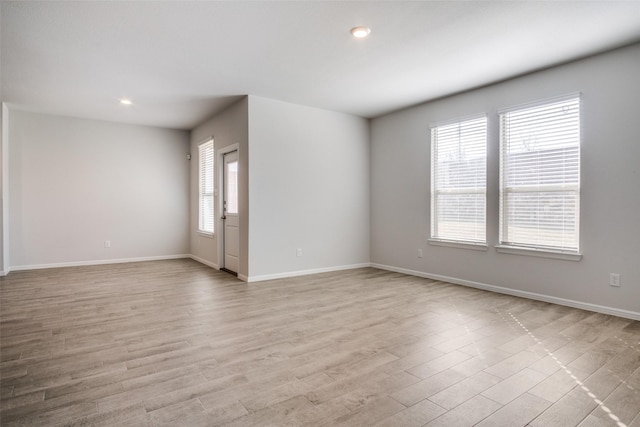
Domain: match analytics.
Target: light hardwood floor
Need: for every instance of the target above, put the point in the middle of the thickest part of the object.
(177, 343)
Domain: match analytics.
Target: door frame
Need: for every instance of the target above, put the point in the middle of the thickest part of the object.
(220, 192)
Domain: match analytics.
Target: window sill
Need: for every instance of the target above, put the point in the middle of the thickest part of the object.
(542, 253)
(458, 244)
(206, 234)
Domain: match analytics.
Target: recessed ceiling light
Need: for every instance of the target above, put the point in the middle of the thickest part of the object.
(125, 101)
(360, 32)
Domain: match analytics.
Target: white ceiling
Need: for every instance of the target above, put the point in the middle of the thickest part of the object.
(182, 61)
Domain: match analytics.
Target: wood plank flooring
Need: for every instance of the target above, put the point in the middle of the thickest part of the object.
(177, 343)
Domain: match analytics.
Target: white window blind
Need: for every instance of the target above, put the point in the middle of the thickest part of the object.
(540, 176)
(459, 181)
(205, 156)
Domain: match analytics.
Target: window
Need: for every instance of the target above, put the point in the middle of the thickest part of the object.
(205, 177)
(540, 176)
(459, 181)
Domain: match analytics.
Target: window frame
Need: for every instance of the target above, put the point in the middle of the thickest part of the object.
(435, 236)
(505, 243)
(206, 160)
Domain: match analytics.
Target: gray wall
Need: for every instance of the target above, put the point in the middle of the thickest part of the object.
(309, 189)
(227, 128)
(75, 183)
(345, 190)
(610, 198)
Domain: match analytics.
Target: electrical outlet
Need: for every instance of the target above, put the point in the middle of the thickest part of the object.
(614, 279)
(299, 252)
(419, 253)
(107, 243)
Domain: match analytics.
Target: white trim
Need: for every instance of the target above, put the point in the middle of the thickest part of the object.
(539, 102)
(304, 272)
(439, 140)
(547, 188)
(219, 191)
(5, 187)
(97, 262)
(205, 140)
(541, 253)
(467, 190)
(204, 261)
(541, 117)
(459, 244)
(201, 190)
(634, 315)
(206, 234)
(459, 119)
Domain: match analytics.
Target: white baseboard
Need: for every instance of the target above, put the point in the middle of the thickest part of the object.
(508, 291)
(303, 272)
(96, 262)
(204, 261)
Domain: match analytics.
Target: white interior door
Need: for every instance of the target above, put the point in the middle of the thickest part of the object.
(230, 212)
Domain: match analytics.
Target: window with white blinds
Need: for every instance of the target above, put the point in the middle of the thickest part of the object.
(459, 181)
(205, 177)
(540, 176)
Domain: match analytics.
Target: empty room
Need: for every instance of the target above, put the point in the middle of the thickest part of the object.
(320, 213)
